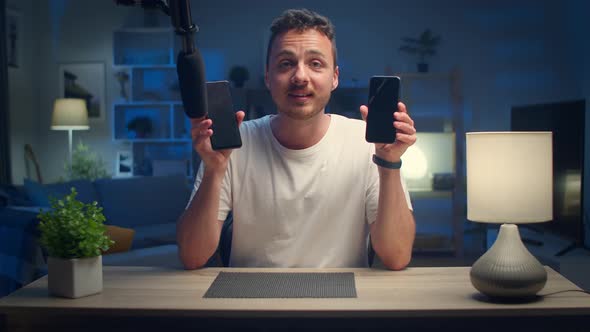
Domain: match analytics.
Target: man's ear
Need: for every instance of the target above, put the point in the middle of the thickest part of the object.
(335, 78)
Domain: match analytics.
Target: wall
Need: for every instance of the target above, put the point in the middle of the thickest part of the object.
(23, 90)
(74, 31)
(578, 48)
(509, 53)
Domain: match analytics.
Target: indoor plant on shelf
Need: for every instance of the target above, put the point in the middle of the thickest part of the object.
(239, 75)
(73, 233)
(423, 46)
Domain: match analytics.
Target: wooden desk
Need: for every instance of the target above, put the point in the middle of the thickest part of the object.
(150, 298)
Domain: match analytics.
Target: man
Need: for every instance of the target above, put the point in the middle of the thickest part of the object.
(303, 188)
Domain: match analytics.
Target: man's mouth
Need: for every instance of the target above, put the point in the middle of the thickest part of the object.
(300, 96)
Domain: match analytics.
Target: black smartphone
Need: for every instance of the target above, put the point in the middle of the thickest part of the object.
(383, 99)
(220, 109)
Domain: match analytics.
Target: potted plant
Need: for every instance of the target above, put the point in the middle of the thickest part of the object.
(73, 233)
(423, 46)
(86, 165)
(141, 127)
(239, 75)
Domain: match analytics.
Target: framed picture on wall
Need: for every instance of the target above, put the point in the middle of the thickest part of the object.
(124, 164)
(85, 80)
(13, 38)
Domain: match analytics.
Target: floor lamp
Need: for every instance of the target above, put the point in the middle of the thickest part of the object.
(69, 114)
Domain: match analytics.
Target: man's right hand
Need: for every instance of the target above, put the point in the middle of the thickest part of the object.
(201, 135)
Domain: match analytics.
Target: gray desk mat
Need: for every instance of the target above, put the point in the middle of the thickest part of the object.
(282, 285)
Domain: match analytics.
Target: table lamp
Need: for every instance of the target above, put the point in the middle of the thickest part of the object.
(69, 114)
(509, 181)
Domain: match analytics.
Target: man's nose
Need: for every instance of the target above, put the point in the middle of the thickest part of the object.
(300, 76)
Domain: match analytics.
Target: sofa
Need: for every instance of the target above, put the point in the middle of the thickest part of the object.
(150, 206)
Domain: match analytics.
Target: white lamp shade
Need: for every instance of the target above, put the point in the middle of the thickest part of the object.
(69, 113)
(509, 177)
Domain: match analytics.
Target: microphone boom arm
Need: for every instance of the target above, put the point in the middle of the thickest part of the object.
(183, 24)
(190, 66)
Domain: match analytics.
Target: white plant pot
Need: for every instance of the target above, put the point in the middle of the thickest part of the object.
(76, 277)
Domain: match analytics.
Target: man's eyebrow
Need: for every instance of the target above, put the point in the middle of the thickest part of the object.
(308, 52)
(315, 52)
(285, 52)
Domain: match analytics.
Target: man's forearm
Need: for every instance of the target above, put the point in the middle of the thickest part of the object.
(198, 228)
(392, 234)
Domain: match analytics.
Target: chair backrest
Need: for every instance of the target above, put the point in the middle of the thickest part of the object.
(30, 157)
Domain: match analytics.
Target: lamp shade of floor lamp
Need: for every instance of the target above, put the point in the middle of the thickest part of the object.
(69, 114)
(509, 181)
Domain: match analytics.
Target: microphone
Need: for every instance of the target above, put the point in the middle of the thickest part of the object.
(189, 62)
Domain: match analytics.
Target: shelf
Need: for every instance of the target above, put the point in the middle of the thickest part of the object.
(154, 84)
(181, 124)
(155, 140)
(148, 112)
(147, 121)
(166, 103)
(143, 46)
(435, 102)
(420, 194)
(429, 243)
(426, 76)
(162, 158)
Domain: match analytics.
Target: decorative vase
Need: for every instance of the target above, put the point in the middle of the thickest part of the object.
(76, 277)
(508, 269)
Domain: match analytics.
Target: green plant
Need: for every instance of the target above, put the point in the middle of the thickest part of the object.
(72, 229)
(423, 46)
(239, 75)
(85, 165)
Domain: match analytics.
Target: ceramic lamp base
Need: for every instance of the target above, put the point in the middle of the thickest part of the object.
(74, 278)
(508, 269)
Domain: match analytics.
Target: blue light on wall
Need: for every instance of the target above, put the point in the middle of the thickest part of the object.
(519, 49)
(525, 80)
(214, 64)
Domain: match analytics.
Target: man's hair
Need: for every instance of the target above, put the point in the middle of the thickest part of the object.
(301, 20)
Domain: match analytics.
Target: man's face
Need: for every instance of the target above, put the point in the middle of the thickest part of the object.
(300, 73)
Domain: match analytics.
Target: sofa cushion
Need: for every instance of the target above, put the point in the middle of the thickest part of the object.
(11, 195)
(21, 258)
(39, 194)
(143, 200)
(154, 235)
(163, 256)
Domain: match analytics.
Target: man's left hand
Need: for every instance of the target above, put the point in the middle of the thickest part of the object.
(404, 138)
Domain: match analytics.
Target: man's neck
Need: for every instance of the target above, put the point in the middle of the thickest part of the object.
(299, 134)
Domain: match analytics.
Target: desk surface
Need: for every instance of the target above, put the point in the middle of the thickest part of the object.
(414, 292)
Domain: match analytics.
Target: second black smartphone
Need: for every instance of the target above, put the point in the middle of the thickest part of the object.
(383, 99)
(220, 109)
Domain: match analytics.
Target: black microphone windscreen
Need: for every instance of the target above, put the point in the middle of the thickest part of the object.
(191, 78)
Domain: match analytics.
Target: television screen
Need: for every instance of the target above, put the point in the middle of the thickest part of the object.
(566, 121)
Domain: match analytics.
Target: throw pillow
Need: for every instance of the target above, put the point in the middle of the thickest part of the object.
(123, 238)
(37, 193)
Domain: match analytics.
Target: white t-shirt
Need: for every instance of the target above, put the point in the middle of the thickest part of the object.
(301, 208)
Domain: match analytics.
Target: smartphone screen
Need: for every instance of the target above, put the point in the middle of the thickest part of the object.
(383, 99)
(226, 134)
